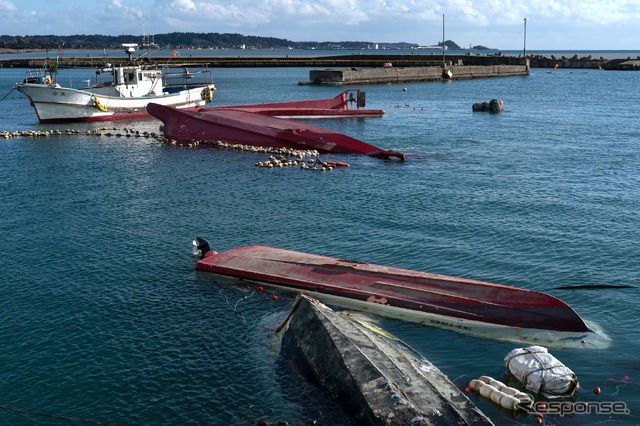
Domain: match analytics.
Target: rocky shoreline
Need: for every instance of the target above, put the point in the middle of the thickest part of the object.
(540, 61)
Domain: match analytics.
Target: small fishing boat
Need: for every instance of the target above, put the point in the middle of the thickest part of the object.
(123, 93)
(335, 107)
(235, 125)
(468, 306)
(376, 377)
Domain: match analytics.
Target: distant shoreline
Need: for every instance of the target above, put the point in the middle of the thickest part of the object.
(533, 54)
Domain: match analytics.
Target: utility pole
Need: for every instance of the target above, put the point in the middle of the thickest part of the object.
(443, 45)
(525, 39)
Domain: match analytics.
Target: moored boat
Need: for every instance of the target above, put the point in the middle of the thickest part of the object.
(250, 128)
(468, 306)
(125, 92)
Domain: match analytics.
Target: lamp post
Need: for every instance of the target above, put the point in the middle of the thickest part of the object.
(525, 39)
(444, 62)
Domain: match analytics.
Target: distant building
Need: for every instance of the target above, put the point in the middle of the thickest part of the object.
(433, 47)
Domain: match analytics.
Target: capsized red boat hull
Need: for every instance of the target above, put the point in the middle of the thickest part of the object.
(447, 302)
(241, 127)
(335, 107)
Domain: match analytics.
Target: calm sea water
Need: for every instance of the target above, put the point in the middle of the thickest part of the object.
(103, 317)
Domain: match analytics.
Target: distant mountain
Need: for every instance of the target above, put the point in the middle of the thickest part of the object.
(451, 45)
(481, 47)
(178, 40)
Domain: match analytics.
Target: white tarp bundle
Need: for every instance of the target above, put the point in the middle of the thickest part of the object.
(541, 372)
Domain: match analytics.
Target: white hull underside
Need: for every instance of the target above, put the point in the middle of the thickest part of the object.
(553, 339)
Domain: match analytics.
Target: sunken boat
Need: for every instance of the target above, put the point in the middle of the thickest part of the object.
(473, 307)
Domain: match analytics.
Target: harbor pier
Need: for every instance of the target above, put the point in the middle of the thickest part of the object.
(358, 60)
(382, 75)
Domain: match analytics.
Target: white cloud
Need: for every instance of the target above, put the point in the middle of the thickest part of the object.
(183, 6)
(489, 22)
(7, 6)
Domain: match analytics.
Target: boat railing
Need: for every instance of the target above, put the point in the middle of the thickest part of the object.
(186, 78)
(38, 75)
(360, 99)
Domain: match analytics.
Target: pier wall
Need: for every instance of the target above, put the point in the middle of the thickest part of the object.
(380, 75)
(358, 60)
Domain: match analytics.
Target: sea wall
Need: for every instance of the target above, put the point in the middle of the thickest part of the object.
(382, 75)
(358, 60)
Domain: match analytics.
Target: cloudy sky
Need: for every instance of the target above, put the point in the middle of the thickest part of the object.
(551, 24)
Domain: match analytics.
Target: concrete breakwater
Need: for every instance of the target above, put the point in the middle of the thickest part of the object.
(382, 75)
(588, 62)
(353, 60)
(357, 60)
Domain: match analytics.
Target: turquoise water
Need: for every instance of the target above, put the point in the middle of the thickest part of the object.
(103, 317)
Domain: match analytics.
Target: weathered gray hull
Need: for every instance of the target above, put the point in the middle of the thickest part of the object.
(376, 381)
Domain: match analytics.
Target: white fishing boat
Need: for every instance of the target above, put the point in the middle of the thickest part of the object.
(118, 92)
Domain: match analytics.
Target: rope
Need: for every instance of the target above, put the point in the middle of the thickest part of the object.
(7, 94)
(235, 308)
(54, 416)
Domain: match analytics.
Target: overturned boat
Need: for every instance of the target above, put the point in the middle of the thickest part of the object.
(378, 379)
(235, 125)
(336, 107)
(474, 307)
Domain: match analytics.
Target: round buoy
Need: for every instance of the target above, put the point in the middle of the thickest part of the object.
(260, 289)
(597, 391)
(468, 389)
(274, 297)
(404, 89)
